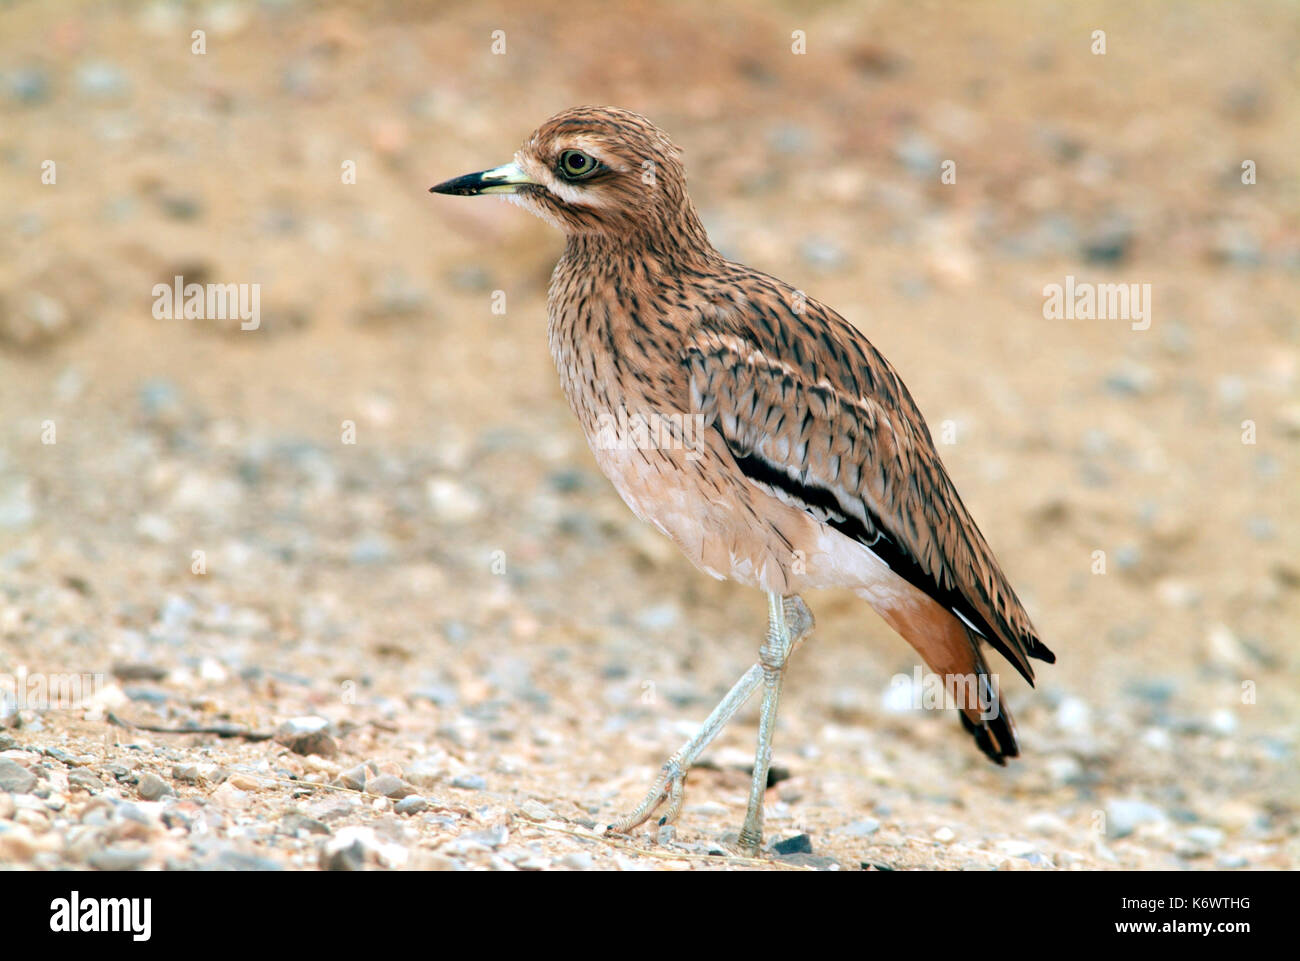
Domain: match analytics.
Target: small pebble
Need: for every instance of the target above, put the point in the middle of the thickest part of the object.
(306, 736)
(17, 843)
(1198, 842)
(354, 778)
(1123, 817)
(389, 786)
(536, 811)
(1073, 715)
(15, 778)
(29, 86)
(414, 804)
(243, 861)
(101, 80)
(1017, 849)
(799, 844)
(227, 795)
(152, 787)
(119, 859)
(354, 848)
(295, 823)
(425, 772)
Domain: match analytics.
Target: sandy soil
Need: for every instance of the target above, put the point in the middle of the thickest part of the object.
(500, 653)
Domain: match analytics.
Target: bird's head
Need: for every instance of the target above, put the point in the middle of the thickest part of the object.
(595, 171)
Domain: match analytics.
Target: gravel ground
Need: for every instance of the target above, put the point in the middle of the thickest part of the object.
(435, 639)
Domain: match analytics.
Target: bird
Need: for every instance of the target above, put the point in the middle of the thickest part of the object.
(757, 429)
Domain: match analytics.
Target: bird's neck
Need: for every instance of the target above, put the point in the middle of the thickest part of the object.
(671, 242)
(610, 299)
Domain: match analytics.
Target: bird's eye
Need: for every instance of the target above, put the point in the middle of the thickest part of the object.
(575, 164)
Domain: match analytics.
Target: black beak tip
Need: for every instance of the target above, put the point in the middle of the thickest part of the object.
(466, 186)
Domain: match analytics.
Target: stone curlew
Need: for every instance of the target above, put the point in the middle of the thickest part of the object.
(756, 428)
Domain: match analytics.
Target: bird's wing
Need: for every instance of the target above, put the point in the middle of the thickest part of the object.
(808, 407)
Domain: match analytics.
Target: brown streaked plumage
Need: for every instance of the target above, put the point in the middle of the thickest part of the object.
(809, 465)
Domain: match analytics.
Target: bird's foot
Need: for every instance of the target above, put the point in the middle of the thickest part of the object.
(798, 619)
(796, 624)
(749, 843)
(670, 786)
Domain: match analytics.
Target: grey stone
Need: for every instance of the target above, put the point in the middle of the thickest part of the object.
(412, 805)
(1245, 101)
(119, 859)
(918, 154)
(472, 277)
(354, 778)
(85, 780)
(489, 837)
(17, 505)
(790, 139)
(799, 844)
(659, 617)
(425, 772)
(1123, 817)
(1109, 241)
(181, 206)
(138, 671)
(804, 859)
(1237, 245)
(387, 785)
(296, 823)
(307, 735)
(441, 694)
(536, 811)
(370, 551)
(1199, 841)
(15, 778)
(152, 787)
(101, 80)
(242, 861)
(29, 86)
(349, 857)
(1129, 380)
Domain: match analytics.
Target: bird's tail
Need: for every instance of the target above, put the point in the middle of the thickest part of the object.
(988, 718)
(954, 653)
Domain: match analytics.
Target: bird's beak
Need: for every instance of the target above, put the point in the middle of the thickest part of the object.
(506, 179)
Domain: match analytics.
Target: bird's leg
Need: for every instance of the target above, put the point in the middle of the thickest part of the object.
(771, 658)
(671, 783)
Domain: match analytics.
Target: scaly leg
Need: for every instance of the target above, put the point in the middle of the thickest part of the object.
(671, 783)
(772, 658)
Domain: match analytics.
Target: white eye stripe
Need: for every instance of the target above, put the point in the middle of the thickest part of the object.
(570, 193)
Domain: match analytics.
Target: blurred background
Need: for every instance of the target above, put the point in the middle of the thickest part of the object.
(460, 594)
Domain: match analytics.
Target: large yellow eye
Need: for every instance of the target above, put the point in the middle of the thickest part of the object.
(574, 164)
